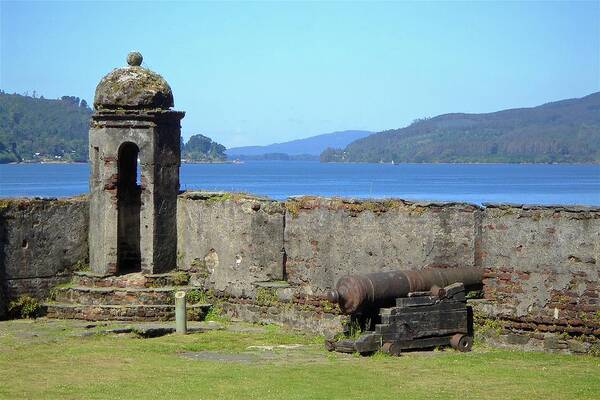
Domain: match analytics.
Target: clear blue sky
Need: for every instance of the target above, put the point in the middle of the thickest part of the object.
(256, 73)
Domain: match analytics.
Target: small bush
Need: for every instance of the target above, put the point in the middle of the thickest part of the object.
(474, 294)
(180, 278)
(328, 307)
(53, 294)
(196, 296)
(81, 265)
(594, 350)
(485, 326)
(24, 307)
(351, 329)
(199, 265)
(216, 314)
(266, 296)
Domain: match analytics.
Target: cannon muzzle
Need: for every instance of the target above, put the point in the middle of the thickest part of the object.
(355, 293)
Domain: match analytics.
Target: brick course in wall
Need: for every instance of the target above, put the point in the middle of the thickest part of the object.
(542, 266)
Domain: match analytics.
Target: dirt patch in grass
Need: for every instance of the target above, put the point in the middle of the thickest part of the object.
(219, 356)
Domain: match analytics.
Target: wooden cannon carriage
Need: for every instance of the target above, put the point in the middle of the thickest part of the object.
(396, 313)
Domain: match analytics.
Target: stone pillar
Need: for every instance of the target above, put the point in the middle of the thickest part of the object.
(134, 173)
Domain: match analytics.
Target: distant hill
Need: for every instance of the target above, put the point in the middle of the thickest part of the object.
(563, 131)
(313, 145)
(36, 129)
(277, 156)
(203, 149)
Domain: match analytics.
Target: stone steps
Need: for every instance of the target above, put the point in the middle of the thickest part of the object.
(88, 279)
(195, 312)
(130, 297)
(84, 295)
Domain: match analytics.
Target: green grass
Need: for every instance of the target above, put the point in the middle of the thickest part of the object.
(42, 359)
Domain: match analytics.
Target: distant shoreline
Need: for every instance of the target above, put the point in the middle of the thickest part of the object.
(330, 162)
(464, 163)
(44, 162)
(212, 162)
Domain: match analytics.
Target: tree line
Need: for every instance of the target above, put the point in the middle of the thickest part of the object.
(35, 129)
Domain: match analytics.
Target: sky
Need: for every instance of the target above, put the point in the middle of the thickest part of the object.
(252, 73)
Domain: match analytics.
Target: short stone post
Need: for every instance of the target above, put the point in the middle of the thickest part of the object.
(180, 313)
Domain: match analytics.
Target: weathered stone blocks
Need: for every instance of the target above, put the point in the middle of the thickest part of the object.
(292, 315)
(115, 296)
(195, 312)
(326, 239)
(229, 241)
(41, 242)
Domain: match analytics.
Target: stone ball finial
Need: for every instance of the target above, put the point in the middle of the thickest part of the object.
(135, 58)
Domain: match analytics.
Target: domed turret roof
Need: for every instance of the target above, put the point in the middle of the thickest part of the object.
(133, 87)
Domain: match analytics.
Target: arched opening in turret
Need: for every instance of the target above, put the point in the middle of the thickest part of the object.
(129, 206)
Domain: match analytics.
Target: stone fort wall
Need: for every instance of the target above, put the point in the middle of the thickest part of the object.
(41, 242)
(272, 261)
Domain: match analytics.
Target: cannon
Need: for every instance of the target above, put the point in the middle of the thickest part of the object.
(400, 310)
(355, 293)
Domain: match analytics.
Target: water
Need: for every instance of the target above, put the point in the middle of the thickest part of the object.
(475, 183)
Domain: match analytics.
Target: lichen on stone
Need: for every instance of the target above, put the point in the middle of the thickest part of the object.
(217, 197)
(378, 206)
(133, 87)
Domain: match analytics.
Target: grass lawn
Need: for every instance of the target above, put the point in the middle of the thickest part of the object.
(52, 360)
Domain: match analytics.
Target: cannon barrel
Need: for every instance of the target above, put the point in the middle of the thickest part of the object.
(354, 293)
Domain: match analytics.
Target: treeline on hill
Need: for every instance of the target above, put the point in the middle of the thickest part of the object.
(35, 129)
(38, 129)
(559, 132)
(202, 149)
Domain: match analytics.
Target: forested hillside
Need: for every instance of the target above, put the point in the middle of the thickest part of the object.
(203, 149)
(563, 131)
(38, 129)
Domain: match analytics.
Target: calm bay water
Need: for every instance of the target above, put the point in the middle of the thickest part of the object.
(475, 183)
